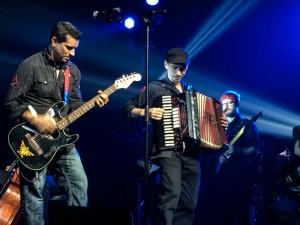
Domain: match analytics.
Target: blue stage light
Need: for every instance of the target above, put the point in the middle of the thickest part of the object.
(152, 2)
(129, 22)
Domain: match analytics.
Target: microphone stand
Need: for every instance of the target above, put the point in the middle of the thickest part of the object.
(147, 19)
(146, 169)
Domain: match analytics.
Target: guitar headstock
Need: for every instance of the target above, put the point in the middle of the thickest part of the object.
(126, 80)
(254, 118)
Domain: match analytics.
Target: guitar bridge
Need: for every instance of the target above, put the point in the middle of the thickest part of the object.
(33, 144)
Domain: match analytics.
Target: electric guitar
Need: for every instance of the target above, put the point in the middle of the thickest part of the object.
(36, 150)
(237, 136)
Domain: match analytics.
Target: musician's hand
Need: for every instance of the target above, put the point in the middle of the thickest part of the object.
(224, 121)
(102, 100)
(225, 156)
(229, 151)
(156, 113)
(222, 159)
(44, 123)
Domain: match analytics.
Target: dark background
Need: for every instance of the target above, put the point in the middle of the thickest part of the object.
(252, 47)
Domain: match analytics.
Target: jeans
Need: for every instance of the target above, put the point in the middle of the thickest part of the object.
(67, 170)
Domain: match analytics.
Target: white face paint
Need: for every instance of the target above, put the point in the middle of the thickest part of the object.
(176, 71)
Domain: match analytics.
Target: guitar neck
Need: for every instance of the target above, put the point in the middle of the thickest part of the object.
(64, 122)
(237, 136)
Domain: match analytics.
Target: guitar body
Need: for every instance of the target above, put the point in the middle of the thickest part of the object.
(34, 150)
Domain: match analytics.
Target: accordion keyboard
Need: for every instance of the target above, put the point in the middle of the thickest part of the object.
(170, 121)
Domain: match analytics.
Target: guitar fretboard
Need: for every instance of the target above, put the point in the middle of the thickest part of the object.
(64, 122)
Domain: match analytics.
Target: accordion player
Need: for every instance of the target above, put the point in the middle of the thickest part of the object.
(190, 118)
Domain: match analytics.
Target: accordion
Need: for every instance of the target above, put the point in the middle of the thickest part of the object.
(190, 118)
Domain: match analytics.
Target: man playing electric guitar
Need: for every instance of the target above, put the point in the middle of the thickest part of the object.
(41, 81)
(237, 170)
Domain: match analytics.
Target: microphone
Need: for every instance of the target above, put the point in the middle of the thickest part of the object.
(106, 14)
(159, 12)
(154, 13)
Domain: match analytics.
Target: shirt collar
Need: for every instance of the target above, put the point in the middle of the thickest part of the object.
(49, 61)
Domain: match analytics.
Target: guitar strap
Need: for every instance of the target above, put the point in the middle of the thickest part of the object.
(67, 84)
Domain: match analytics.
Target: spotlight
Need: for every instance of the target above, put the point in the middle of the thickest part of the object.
(152, 2)
(129, 22)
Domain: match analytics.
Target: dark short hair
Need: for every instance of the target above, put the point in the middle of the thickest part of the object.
(62, 29)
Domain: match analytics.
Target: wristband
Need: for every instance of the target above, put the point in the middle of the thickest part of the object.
(32, 111)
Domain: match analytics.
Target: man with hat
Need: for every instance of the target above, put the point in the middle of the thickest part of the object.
(179, 167)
